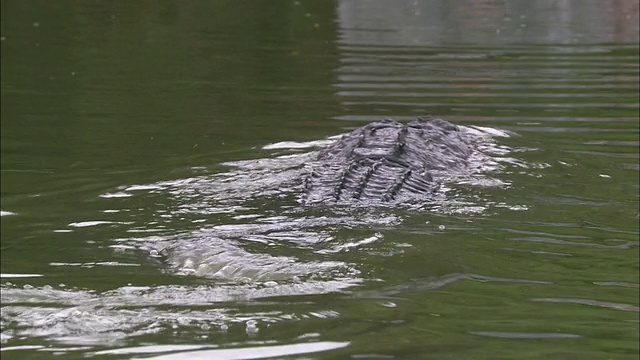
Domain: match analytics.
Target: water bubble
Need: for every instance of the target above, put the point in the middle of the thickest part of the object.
(188, 264)
(251, 329)
(203, 268)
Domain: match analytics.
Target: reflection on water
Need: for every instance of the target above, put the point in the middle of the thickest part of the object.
(150, 182)
(256, 352)
(506, 62)
(428, 23)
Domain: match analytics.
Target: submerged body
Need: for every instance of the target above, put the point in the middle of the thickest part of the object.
(386, 161)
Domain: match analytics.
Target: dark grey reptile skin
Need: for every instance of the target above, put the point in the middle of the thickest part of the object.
(388, 160)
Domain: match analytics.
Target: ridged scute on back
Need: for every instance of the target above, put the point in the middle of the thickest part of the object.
(385, 160)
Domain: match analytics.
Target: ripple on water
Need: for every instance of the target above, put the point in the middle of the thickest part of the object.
(79, 317)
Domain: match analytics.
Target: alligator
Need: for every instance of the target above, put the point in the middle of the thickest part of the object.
(389, 161)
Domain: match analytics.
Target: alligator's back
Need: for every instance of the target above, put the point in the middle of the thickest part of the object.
(388, 160)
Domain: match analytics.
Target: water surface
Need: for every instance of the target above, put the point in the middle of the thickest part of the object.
(152, 157)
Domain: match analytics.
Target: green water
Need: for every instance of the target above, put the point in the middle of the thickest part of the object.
(126, 128)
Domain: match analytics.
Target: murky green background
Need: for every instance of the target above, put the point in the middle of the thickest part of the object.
(119, 120)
